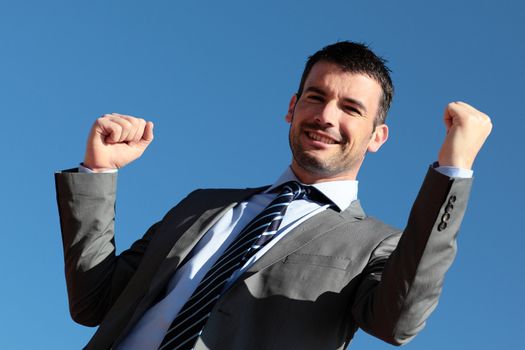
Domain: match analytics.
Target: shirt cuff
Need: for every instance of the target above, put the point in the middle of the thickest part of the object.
(452, 171)
(83, 169)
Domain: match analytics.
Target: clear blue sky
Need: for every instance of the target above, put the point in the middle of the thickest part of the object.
(216, 78)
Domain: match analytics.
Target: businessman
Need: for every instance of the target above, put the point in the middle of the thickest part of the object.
(293, 265)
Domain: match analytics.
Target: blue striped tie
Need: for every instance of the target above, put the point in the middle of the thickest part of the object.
(191, 319)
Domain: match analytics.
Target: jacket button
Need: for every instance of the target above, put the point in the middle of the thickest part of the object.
(452, 199)
(445, 218)
(449, 208)
(442, 226)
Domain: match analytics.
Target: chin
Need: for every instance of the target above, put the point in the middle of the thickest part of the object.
(314, 165)
(326, 167)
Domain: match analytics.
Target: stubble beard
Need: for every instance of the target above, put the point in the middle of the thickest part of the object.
(330, 166)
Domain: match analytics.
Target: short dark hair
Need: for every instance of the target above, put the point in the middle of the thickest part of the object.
(355, 58)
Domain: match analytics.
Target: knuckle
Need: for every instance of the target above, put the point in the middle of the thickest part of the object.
(126, 124)
(483, 117)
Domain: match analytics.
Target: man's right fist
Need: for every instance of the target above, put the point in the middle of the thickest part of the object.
(116, 140)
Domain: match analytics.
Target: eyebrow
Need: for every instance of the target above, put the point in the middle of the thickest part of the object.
(345, 99)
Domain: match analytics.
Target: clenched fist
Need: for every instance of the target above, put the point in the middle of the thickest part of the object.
(467, 129)
(116, 140)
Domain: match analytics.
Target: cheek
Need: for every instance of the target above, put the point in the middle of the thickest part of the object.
(347, 134)
(356, 136)
(305, 112)
(294, 132)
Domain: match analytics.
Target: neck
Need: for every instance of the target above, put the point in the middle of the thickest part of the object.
(310, 178)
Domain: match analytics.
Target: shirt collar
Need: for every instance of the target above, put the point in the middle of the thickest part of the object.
(341, 192)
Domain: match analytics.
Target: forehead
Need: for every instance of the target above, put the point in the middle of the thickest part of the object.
(334, 81)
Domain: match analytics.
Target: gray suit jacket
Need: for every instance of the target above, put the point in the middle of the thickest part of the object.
(332, 274)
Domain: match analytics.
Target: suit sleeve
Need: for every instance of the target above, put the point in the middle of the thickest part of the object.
(403, 279)
(95, 276)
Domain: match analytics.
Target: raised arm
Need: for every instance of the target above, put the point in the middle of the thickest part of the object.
(95, 276)
(404, 277)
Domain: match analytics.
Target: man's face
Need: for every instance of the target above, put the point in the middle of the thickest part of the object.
(332, 124)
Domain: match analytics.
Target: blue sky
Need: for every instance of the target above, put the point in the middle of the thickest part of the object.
(216, 78)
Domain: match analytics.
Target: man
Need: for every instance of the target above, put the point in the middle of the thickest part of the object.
(322, 270)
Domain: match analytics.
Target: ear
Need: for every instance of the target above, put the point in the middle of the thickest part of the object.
(291, 109)
(379, 137)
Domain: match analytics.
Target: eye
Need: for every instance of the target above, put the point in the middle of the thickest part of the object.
(315, 98)
(351, 110)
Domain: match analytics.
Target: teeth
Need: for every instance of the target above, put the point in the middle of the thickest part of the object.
(320, 138)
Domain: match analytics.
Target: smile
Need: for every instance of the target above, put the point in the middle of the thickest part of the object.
(315, 136)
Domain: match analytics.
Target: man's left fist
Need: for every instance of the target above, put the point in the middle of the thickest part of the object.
(467, 130)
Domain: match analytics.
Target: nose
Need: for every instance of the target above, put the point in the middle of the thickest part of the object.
(327, 115)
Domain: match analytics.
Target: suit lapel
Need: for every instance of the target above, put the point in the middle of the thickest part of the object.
(322, 223)
(217, 202)
(220, 205)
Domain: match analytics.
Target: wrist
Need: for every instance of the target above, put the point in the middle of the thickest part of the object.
(92, 169)
(456, 162)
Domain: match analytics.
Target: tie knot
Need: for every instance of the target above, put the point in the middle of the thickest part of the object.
(298, 191)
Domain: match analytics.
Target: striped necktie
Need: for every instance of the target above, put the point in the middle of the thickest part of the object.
(191, 319)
